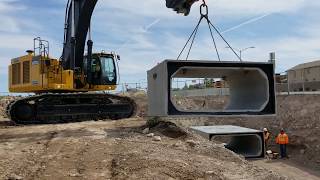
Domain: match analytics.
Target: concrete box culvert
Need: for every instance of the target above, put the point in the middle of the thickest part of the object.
(251, 89)
(243, 141)
(248, 145)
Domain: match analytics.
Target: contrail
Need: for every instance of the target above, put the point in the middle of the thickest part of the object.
(246, 22)
(152, 24)
(145, 30)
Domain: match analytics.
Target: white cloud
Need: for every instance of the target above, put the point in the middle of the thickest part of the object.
(233, 8)
(254, 7)
(11, 22)
(14, 41)
(290, 51)
(150, 8)
(8, 6)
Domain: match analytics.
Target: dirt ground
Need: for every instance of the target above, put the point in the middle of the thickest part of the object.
(289, 169)
(117, 150)
(207, 103)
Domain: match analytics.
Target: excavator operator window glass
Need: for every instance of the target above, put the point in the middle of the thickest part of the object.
(85, 65)
(108, 69)
(95, 65)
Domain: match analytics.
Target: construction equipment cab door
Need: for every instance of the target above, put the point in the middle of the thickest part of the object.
(102, 70)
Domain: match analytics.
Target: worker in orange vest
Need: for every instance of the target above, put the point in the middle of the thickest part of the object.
(282, 139)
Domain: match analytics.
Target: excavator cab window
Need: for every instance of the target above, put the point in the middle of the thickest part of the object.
(95, 66)
(108, 69)
(102, 70)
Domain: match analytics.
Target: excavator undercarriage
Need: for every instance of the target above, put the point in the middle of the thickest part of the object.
(70, 107)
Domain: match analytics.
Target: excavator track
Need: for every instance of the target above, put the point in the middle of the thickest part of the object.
(73, 107)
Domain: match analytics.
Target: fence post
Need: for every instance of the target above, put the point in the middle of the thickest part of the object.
(288, 82)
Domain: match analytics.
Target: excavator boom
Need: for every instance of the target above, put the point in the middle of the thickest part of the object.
(78, 18)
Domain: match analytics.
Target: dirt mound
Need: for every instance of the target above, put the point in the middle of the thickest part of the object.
(115, 150)
(162, 167)
(4, 102)
(189, 158)
(201, 103)
(169, 129)
(140, 97)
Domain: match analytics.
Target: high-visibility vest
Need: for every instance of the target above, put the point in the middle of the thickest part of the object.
(282, 139)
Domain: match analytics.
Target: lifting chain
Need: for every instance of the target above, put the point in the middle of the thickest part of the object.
(204, 11)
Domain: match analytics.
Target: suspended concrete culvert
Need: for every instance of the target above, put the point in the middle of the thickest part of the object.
(211, 88)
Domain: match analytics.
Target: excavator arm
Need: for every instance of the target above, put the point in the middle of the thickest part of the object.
(77, 24)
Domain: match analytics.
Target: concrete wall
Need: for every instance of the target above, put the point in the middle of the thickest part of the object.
(304, 75)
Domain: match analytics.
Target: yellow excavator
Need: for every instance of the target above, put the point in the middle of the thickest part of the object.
(62, 86)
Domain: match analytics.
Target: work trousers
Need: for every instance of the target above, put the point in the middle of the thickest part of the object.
(283, 150)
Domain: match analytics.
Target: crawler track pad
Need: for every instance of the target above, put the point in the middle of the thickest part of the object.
(65, 108)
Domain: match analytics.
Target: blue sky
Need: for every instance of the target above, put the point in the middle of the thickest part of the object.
(146, 32)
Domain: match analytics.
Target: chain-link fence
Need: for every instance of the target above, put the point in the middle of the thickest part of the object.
(132, 87)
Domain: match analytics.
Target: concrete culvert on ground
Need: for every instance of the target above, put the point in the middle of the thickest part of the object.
(248, 145)
(243, 141)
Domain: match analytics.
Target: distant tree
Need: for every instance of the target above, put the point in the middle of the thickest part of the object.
(209, 82)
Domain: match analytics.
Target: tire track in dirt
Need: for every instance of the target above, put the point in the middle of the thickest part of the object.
(60, 152)
(43, 162)
(33, 164)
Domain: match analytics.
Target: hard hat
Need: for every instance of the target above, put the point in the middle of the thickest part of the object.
(265, 129)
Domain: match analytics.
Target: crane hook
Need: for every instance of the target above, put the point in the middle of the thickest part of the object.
(204, 10)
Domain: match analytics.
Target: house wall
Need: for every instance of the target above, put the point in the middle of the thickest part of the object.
(307, 79)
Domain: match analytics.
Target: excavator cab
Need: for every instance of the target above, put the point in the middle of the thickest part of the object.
(102, 69)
